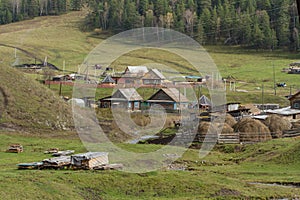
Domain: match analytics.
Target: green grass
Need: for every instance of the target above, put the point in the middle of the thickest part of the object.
(60, 39)
(29, 104)
(218, 177)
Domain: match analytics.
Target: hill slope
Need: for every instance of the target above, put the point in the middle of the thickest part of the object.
(27, 104)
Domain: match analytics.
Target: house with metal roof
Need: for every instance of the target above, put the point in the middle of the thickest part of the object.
(127, 98)
(290, 112)
(169, 98)
(153, 77)
(133, 75)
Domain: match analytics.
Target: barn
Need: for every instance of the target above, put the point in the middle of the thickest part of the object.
(127, 98)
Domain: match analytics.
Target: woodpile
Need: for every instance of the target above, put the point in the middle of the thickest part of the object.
(90, 160)
(15, 148)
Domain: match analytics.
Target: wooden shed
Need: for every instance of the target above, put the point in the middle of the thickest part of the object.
(89, 160)
(169, 98)
(127, 98)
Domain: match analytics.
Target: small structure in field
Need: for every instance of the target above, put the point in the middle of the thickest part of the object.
(204, 103)
(153, 77)
(127, 98)
(89, 160)
(15, 148)
(108, 80)
(169, 98)
(57, 163)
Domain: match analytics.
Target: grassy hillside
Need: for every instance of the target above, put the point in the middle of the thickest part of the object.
(226, 173)
(28, 104)
(60, 39)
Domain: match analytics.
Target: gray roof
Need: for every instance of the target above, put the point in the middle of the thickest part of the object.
(130, 94)
(158, 74)
(108, 79)
(284, 111)
(137, 69)
(204, 101)
(174, 94)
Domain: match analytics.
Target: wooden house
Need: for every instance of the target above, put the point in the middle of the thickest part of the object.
(153, 77)
(295, 101)
(169, 98)
(89, 160)
(127, 98)
(133, 75)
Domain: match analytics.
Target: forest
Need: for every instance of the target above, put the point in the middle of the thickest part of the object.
(260, 24)
(266, 24)
(18, 10)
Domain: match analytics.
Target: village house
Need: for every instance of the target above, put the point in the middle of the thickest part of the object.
(133, 75)
(127, 98)
(153, 77)
(168, 98)
(290, 112)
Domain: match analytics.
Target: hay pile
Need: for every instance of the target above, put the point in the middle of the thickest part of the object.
(252, 130)
(277, 125)
(230, 120)
(204, 126)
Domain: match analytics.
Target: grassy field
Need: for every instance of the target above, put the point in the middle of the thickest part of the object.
(59, 39)
(226, 173)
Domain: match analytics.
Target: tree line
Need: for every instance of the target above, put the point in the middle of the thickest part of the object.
(264, 24)
(18, 10)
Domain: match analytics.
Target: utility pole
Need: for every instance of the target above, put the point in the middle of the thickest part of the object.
(274, 80)
(262, 98)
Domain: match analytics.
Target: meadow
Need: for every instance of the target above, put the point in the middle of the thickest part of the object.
(61, 41)
(226, 173)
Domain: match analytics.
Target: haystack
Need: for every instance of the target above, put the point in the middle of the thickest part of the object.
(277, 125)
(230, 120)
(252, 130)
(204, 126)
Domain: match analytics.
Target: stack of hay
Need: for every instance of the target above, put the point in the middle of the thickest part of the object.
(252, 130)
(277, 125)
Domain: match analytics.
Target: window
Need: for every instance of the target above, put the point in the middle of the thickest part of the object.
(296, 105)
